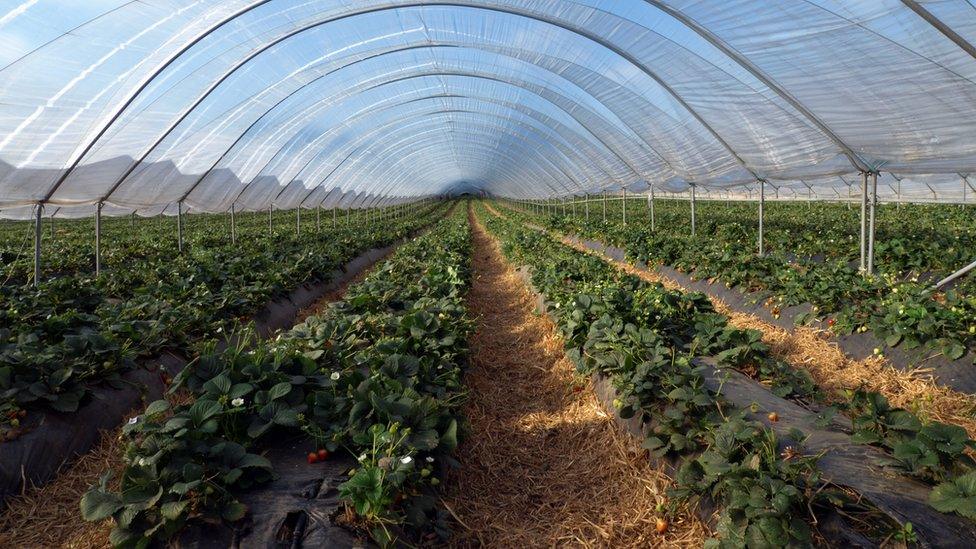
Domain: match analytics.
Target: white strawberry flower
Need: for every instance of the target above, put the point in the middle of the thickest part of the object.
(334, 376)
(238, 401)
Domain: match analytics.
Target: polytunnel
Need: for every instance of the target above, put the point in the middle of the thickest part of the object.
(682, 194)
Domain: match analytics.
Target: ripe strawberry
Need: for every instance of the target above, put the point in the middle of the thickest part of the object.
(312, 457)
(831, 322)
(322, 454)
(662, 525)
(773, 416)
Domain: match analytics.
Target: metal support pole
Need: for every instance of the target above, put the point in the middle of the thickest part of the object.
(179, 226)
(864, 220)
(624, 200)
(318, 219)
(874, 204)
(953, 276)
(298, 222)
(762, 215)
(39, 210)
(586, 206)
(98, 239)
(650, 201)
(233, 226)
(604, 206)
(347, 217)
(271, 220)
(693, 210)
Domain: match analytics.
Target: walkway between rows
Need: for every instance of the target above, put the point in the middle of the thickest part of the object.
(543, 464)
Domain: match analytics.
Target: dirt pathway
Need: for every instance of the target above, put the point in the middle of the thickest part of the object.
(544, 465)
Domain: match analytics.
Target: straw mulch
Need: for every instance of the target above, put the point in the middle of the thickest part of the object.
(808, 348)
(49, 515)
(543, 464)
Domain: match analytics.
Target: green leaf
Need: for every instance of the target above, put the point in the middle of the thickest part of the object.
(202, 410)
(956, 496)
(99, 504)
(279, 390)
(173, 509)
(157, 407)
(449, 438)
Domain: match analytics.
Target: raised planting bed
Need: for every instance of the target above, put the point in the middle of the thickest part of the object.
(887, 315)
(751, 445)
(50, 438)
(371, 387)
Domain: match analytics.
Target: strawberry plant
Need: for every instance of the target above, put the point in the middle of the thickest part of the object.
(376, 375)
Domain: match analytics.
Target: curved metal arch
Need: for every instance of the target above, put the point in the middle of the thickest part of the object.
(620, 156)
(214, 86)
(321, 180)
(511, 183)
(435, 138)
(336, 128)
(368, 88)
(372, 109)
(766, 79)
(427, 117)
(544, 170)
(512, 179)
(508, 175)
(375, 9)
(375, 158)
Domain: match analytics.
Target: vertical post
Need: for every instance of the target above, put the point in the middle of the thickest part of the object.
(604, 206)
(864, 220)
(624, 200)
(650, 201)
(574, 206)
(298, 221)
(271, 220)
(692, 209)
(233, 226)
(586, 206)
(98, 239)
(318, 219)
(39, 210)
(179, 226)
(762, 215)
(347, 217)
(874, 203)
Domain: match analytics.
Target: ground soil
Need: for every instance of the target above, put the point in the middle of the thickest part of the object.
(543, 464)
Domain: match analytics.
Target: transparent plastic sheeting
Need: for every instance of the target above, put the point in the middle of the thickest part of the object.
(144, 105)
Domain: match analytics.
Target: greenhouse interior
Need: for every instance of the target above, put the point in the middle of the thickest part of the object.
(487, 273)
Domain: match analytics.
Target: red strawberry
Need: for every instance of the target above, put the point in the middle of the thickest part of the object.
(322, 454)
(312, 457)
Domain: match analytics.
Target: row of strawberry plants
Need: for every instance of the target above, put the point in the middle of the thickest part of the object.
(644, 338)
(377, 375)
(69, 333)
(895, 305)
(68, 244)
